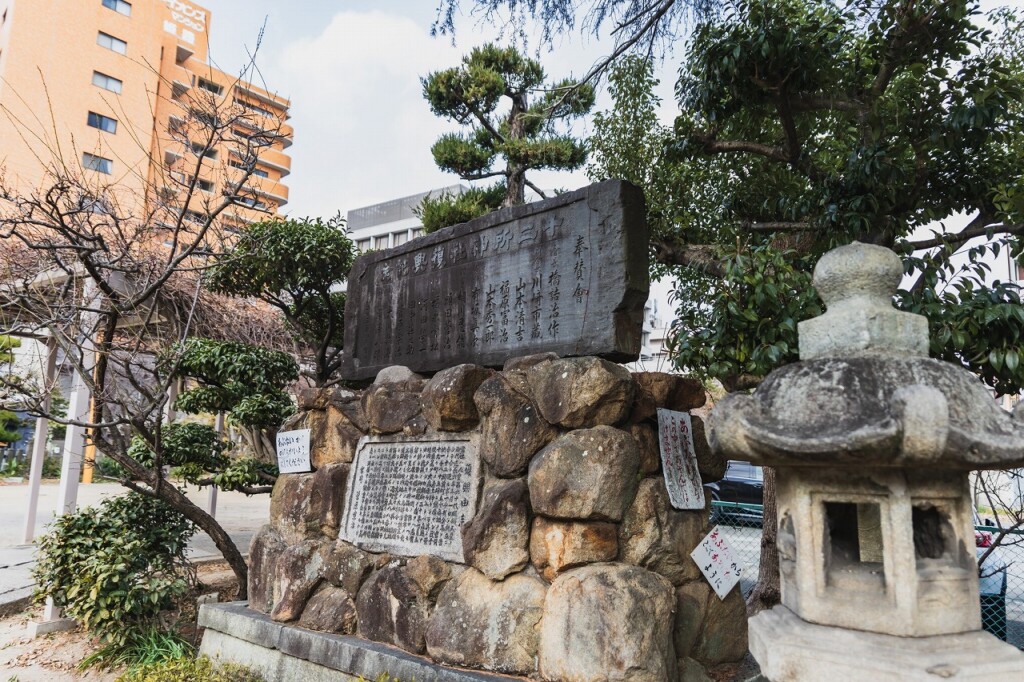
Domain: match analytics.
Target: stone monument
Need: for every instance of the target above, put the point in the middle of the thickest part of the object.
(872, 442)
(568, 275)
(512, 521)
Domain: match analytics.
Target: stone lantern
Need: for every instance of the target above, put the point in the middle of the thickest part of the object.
(872, 442)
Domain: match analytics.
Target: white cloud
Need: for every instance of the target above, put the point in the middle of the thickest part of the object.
(362, 128)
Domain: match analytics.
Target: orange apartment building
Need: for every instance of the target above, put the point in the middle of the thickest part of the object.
(120, 88)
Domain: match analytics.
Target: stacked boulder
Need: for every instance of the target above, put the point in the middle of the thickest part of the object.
(577, 566)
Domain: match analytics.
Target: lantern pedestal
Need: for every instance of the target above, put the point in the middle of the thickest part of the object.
(789, 648)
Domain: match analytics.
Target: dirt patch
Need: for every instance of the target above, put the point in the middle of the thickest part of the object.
(55, 657)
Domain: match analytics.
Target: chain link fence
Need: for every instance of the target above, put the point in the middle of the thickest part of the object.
(1001, 576)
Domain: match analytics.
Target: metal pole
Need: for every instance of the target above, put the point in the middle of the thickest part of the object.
(211, 495)
(35, 475)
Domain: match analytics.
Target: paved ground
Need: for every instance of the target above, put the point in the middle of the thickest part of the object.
(241, 516)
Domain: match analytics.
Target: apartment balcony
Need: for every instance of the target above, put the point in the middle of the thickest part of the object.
(268, 158)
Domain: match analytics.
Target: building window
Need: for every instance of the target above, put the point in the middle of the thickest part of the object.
(380, 242)
(251, 202)
(205, 185)
(253, 108)
(195, 216)
(111, 43)
(200, 149)
(363, 245)
(97, 163)
(259, 172)
(119, 6)
(104, 123)
(210, 86)
(102, 80)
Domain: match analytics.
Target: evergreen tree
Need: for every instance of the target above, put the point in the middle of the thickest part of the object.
(526, 136)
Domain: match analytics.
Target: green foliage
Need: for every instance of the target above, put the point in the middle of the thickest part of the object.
(807, 125)
(453, 209)
(246, 382)
(296, 266)
(527, 136)
(764, 293)
(183, 669)
(9, 425)
(152, 647)
(7, 345)
(197, 454)
(59, 409)
(115, 567)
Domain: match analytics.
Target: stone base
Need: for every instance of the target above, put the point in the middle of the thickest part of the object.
(45, 627)
(789, 649)
(278, 652)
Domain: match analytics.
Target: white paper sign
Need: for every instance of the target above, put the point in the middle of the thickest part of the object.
(293, 451)
(679, 460)
(717, 563)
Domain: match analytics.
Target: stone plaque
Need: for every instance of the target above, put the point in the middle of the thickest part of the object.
(412, 497)
(568, 275)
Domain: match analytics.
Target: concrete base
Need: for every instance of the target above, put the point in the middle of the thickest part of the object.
(790, 649)
(45, 627)
(279, 652)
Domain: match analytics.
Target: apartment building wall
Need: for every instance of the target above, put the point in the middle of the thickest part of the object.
(141, 65)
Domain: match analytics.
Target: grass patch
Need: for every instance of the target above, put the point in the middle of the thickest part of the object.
(190, 669)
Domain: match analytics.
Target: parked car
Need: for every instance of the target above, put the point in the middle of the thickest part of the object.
(991, 583)
(743, 483)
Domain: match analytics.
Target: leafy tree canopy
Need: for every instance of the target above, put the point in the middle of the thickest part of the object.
(452, 209)
(295, 266)
(526, 135)
(805, 125)
(246, 382)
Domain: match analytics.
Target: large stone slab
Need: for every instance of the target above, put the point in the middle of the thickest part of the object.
(411, 497)
(568, 275)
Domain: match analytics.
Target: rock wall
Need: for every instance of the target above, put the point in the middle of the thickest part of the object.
(577, 566)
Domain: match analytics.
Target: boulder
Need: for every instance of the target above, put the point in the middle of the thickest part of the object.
(327, 496)
(495, 540)
(691, 611)
(396, 374)
(711, 465)
(347, 566)
(658, 537)
(479, 623)
(556, 546)
(429, 573)
(723, 635)
(394, 609)
(350, 404)
(512, 429)
(264, 550)
(672, 391)
(582, 392)
(448, 397)
(646, 437)
(290, 512)
(692, 671)
(299, 568)
(389, 406)
(310, 398)
(589, 474)
(331, 609)
(524, 362)
(339, 440)
(644, 408)
(608, 622)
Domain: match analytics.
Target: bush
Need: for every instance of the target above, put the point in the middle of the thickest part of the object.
(190, 670)
(115, 567)
(151, 647)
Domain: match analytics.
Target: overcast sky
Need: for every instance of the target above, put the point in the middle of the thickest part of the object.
(352, 69)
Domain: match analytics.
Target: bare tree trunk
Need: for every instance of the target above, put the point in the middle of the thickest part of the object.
(767, 592)
(177, 501)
